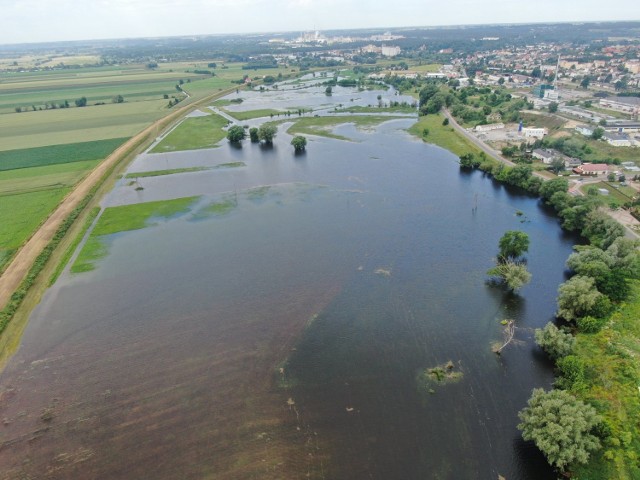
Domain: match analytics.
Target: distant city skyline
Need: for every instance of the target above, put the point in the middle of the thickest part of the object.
(29, 21)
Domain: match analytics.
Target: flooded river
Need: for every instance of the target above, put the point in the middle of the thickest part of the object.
(285, 337)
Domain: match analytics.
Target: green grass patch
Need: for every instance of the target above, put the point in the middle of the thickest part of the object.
(361, 109)
(194, 133)
(171, 171)
(618, 196)
(21, 214)
(322, 126)
(613, 380)
(122, 219)
(137, 216)
(443, 136)
(230, 165)
(249, 114)
(91, 250)
(57, 154)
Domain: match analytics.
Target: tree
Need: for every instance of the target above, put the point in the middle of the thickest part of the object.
(555, 342)
(235, 134)
(557, 165)
(560, 425)
(585, 82)
(117, 99)
(553, 107)
(267, 132)
(611, 177)
(328, 91)
(597, 133)
(468, 160)
(445, 122)
(513, 244)
(253, 135)
(81, 102)
(299, 143)
(577, 297)
(552, 186)
(513, 275)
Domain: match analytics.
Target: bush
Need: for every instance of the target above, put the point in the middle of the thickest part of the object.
(590, 324)
(555, 342)
(572, 373)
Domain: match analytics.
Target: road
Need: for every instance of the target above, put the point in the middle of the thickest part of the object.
(630, 223)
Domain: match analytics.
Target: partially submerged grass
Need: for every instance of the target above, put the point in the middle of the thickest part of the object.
(322, 126)
(216, 208)
(171, 171)
(137, 216)
(68, 253)
(126, 218)
(230, 165)
(194, 133)
(438, 375)
(372, 109)
(249, 114)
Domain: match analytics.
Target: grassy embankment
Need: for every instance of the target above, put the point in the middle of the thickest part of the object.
(28, 195)
(194, 133)
(444, 136)
(122, 219)
(322, 126)
(613, 385)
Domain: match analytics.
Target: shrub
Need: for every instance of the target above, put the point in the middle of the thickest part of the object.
(555, 342)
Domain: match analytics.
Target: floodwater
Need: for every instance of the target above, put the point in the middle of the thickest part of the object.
(285, 337)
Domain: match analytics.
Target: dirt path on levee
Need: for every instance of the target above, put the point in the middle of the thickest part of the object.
(21, 263)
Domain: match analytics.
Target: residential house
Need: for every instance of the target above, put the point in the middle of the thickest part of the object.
(593, 169)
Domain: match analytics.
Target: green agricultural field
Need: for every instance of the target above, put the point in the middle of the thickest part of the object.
(23, 180)
(21, 214)
(323, 126)
(125, 218)
(72, 125)
(58, 154)
(193, 133)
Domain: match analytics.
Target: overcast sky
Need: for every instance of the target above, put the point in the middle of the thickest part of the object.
(52, 20)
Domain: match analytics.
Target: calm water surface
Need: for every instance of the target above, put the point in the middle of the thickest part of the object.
(284, 339)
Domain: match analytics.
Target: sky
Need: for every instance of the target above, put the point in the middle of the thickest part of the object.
(27, 21)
